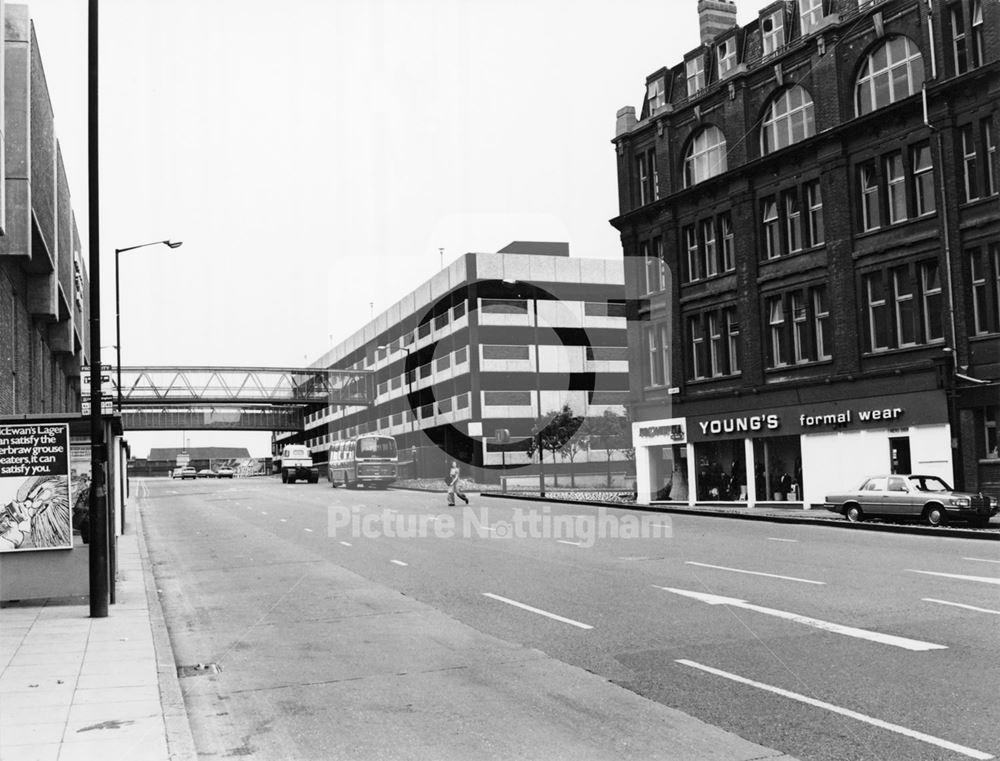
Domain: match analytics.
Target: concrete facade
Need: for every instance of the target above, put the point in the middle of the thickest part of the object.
(456, 359)
(814, 114)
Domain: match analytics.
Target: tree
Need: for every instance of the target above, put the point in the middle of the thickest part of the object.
(552, 431)
(610, 431)
(569, 451)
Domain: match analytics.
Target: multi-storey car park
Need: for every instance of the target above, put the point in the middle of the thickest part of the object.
(455, 361)
(810, 220)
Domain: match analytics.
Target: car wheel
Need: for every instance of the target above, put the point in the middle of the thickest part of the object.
(853, 514)
(934, 515)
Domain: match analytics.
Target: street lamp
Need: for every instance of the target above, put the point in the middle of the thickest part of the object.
(118, 324)
(538, 392)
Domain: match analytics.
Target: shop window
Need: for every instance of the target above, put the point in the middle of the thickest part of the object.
(719, 474)
(892, 71)
(778, 468)
(668, 473)
(990, 417)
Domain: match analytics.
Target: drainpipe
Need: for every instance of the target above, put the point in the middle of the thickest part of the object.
(930, 34)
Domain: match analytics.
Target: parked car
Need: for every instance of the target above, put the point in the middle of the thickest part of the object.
(224, 471)
(912, 496)
(206, 473)
(188, 471)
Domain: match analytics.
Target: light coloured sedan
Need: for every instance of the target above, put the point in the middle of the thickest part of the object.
(912, 497)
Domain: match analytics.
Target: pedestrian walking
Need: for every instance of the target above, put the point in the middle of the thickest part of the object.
(454, 487)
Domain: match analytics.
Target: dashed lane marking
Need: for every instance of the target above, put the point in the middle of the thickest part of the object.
(539, 611)
(959, 576)
(982, 560)
(962, 605)
(779, 539)
(347, 544)
(850, 631)
(309, 530)
(906, 732)
(754, 573)
(565, 541)
(398, 562)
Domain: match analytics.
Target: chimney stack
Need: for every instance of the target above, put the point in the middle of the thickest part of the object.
(715, 17)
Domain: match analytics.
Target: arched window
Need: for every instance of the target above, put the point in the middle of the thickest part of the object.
(893, 71)
(705, 157)
(788, 120)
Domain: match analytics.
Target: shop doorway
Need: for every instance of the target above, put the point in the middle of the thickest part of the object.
(668, 473)
(778, 469)
(899, 454)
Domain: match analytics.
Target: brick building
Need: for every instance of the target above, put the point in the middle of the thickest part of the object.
(43, 283)
(490, 342)
(810, 219)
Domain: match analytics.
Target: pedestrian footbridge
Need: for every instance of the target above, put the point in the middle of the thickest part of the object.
(233, 398)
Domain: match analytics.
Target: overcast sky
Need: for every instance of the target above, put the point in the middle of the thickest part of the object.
(314, 155)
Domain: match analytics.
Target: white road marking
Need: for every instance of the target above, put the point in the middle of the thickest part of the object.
(262, 512)
(779, 539)
(754, 573)
(309, 530)
(960, 605)
(347, 544)
(850, 631)
(912, 734)
(984, 579)
(982, 560)
(398, 562)
(539, 611)
(564, 541)
(284, 520)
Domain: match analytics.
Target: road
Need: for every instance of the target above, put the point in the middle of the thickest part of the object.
(825, 644)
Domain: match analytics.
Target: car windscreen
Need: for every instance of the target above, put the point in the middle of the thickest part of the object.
(376, 446)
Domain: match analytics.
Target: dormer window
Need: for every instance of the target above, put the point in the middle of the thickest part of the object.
(726, 55)
(656, 95)
(772, 28)
(695, 68)
(811, 13)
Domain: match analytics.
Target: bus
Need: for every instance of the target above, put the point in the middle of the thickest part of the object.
(366, 460)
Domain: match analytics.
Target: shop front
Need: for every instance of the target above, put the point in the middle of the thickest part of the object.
(792, 455)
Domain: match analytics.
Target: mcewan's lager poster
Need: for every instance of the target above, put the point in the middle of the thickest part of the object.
(34, 487)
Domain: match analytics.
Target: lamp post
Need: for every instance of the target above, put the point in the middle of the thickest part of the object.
(118, 323)
(538, 392)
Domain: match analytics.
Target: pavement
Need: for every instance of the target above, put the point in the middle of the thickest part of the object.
(74, 687)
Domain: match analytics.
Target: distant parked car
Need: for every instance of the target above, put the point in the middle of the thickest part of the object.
(912, 496)
(224, 471)
(206, 473)
(188, 471)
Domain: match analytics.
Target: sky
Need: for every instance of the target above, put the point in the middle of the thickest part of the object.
(316, 156)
